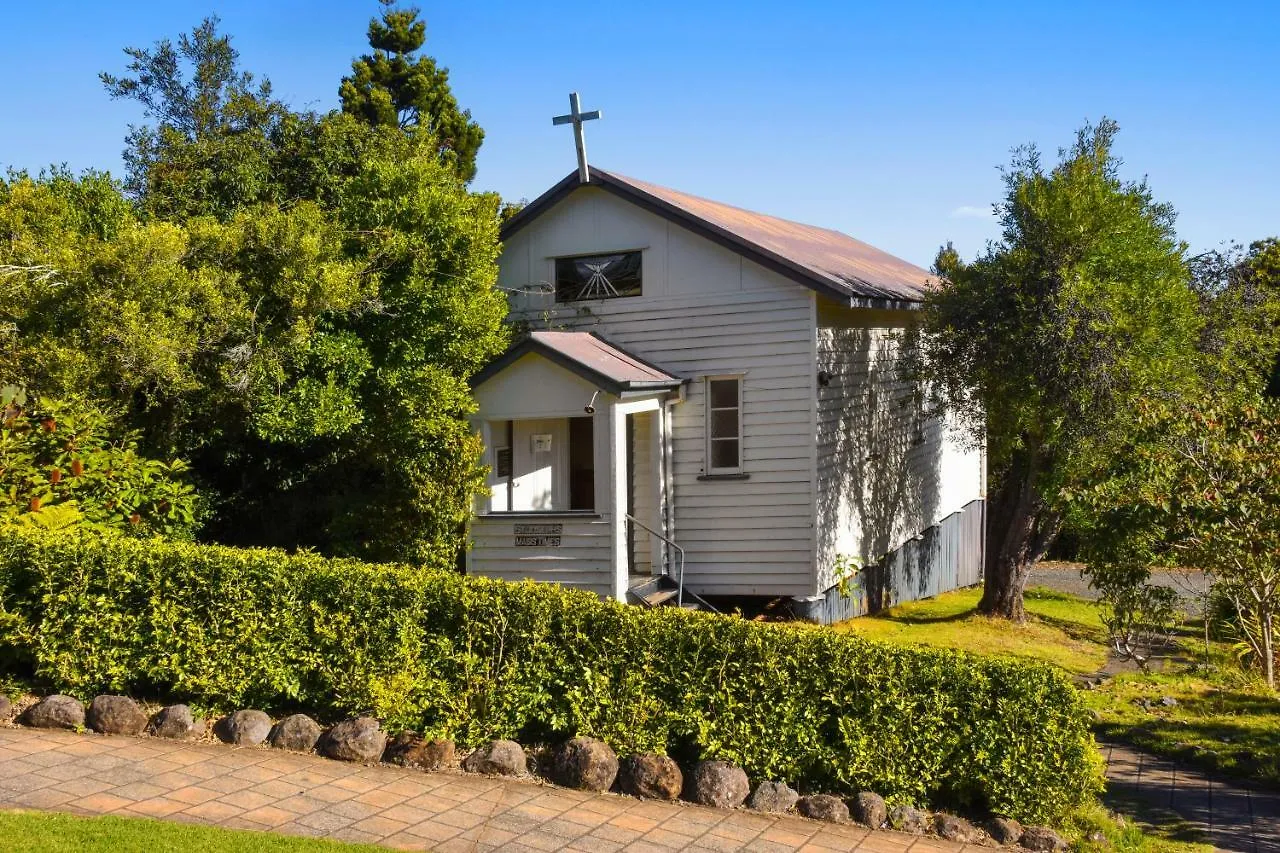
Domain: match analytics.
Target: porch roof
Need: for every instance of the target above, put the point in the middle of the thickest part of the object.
(608, 367)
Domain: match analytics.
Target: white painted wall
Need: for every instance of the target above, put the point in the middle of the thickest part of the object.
(704, 310)
(885, 473)
(583, 559)
(535, 388)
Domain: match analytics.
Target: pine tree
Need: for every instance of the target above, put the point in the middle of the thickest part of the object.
(395, 87)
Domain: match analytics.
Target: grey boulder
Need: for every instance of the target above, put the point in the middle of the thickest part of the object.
(6, 709)
(823, 807)
(1042, 838)
(1004, 830)
(773, 797)
(586, 764)
(296, 733)
(176, 722)
(651, 776)
(361, 739)
(497, 758)
(55, 712)
(115, 715)
(410, 749)
(869, 809)
(719, 784)
(909, 820)
(954, 828)
(243, 728)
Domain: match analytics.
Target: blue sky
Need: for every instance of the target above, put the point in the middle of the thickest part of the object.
(883, 120)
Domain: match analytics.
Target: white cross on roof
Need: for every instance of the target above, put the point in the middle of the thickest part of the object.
(576, 117)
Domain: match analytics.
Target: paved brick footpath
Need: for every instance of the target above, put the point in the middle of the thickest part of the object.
(267, 790)
(1231, 817)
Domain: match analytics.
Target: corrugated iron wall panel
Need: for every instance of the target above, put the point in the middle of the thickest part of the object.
(947, 556)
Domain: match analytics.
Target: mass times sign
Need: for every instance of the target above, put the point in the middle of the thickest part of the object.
(539, 535)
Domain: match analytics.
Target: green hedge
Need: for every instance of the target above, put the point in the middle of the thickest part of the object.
(472, 659)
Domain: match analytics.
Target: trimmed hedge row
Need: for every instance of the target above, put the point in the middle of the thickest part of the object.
(473, 659)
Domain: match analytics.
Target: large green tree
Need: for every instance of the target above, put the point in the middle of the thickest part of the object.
(395, 86)
(209, 148)
(398, 480)
(1240, 299)
(303, 336)
(192, 325)
(1195, 480)
(1045, 342)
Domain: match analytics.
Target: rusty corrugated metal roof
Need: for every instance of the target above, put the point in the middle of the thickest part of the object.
(609, 367)
(827, 260)
(603, 357)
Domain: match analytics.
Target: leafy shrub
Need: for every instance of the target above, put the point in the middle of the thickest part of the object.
(1141, 618)
(1238, 627)
(66, 463)
(472, 658)
(1197, 486)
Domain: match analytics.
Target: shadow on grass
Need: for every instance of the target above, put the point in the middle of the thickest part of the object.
(1075, 630)
(921, 619)
(1238, 751)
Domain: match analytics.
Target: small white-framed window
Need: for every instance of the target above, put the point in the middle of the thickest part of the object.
(724, 424)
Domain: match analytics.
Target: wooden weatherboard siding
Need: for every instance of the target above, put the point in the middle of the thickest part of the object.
(556, 548)
(533, 388)
(890, 476)
(705, 310)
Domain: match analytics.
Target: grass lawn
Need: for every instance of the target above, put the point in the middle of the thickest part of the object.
(1061, 629)
(1224, 720)
(43, 832)
(1163, 836)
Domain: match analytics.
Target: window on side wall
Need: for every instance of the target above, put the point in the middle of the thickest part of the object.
(724, 425)
(608, 276)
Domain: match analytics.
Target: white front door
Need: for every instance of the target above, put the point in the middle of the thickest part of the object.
(539, 463)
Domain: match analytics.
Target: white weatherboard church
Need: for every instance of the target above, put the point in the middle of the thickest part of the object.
(710, 403)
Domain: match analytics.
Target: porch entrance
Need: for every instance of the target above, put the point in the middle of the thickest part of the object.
(573, 430)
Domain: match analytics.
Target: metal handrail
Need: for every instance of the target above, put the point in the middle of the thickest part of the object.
(679, 551)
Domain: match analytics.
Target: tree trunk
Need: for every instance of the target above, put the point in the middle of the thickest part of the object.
(1020, 529)
(1268, 647)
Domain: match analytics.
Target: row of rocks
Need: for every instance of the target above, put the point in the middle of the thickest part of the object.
(582, 763)
(361, 739)
(591, 765)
